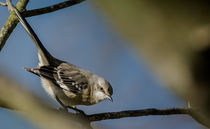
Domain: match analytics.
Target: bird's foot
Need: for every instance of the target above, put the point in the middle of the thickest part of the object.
(78, 111)
(62, 109)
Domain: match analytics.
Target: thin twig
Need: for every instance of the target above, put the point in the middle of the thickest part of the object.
(129, 113)
(3, 4)
(137, 113)
(12, 20)
(51, 8)
(18, 99)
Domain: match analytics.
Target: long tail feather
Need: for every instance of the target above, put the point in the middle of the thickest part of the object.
(44, 55)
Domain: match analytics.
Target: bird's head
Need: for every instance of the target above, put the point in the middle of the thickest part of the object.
(102, 90)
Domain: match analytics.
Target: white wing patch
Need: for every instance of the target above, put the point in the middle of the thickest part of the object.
(60, 82)
(63, 86)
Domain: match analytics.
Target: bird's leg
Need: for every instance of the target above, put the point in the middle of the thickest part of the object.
(64, 108)
(77, 110)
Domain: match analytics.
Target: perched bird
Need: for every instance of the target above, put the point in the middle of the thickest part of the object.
(65, 82)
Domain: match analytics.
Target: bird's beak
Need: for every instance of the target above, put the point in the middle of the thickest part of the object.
(110, 98)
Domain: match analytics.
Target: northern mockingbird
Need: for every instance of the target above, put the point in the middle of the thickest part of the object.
(65, 82)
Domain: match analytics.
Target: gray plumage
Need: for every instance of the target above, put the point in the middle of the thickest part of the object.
(65, 82)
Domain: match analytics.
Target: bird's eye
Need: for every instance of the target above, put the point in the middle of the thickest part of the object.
(101, 89)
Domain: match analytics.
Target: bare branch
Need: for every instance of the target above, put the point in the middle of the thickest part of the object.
(11, 23)
(52, 8)
(3, 4)
(194, 113)
(34, 108)
(21, 5)
(137, 113)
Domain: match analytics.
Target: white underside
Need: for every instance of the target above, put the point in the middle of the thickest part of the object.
(48, 87)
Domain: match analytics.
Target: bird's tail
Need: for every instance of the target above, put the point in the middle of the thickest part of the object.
(43, 54)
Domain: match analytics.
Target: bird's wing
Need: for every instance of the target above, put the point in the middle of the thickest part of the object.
(67, 77)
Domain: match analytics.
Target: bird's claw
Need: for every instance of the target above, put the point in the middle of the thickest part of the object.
(78, 111)
(63, 109)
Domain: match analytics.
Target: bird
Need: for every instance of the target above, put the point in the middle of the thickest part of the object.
(66, 83)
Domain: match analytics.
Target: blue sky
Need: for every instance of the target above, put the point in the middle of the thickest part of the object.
(83, 36)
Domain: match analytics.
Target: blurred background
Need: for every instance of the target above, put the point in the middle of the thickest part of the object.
(155, 55)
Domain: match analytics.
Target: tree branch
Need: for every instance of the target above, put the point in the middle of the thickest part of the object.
(21, 5)
(3, 4)
(36, 109)
(194, 113)
(137, 113)
(52, 8)
(11, 23)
